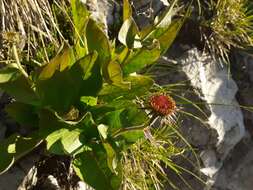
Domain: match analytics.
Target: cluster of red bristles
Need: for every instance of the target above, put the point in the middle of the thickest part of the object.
(162, 105)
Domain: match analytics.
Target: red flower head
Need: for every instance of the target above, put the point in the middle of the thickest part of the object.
(162, 104)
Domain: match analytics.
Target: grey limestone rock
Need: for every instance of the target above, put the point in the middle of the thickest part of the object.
(211, 80)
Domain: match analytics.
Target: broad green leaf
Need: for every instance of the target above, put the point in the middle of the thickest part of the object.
(15, 147)
(133, 116)
(89, 128)
(81, 48)
(167, 37)
(98, 41)
(25, 145)
(68, 138)
(140, 85)
(111, 157)
(123, 55)
(65, 88)
(60, 62)
(141, 58)
(114, 75)
(127, 115)
(71, 141)
(21, 89)
(60, 91)
(24, 114)
(133, 136)
(80, 16)
(93, 84)
(129, 34)
(17, 86)
(52, 139)
(166, 29)
(8, 73)
(113, 120)
(173, 30)
(49, 123)
(87, 64)
(127, 10)
(65, 137)
(90, 169)
(89, 100)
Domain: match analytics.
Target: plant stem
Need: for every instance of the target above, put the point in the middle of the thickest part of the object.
(124, 130)
(150, 122)
(15, 52)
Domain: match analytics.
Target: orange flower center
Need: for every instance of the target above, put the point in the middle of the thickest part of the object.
(162, 104)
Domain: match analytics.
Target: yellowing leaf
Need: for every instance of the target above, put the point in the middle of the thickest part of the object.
(115, 75)
(80, 15)
(111, 157)
(129, 34)
(59, 62)
(141, 58)
(8, 73)
(127, 10)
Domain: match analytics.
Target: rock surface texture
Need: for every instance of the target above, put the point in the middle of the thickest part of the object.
(218, 90)
(237, 170)
(229, 163)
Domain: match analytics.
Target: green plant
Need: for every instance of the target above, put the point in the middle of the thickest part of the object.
(230, 26)
(83, 102)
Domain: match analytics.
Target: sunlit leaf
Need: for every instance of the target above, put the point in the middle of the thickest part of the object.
(68, 138)
(166, 37)
(103, 131)
(112, 119)
(65, 137)
(87, 64)
(65, 88)
(89, 100)
(114, 75)
(166, 29)
(60, 62)
(127, 10)
(98, 41)
(128, 114)
(8, 73)
(129, 34)
(133, 136)
(139, 86)
(80, 16)
(165, 20)
(123, 55)
(111, 157)
(141, 58)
